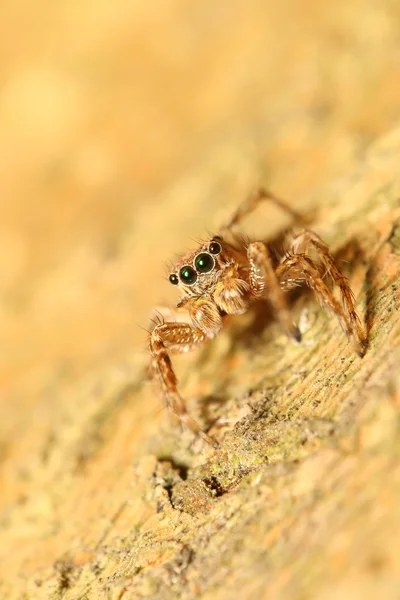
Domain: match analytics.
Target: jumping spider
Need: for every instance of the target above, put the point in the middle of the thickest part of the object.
(225, 274)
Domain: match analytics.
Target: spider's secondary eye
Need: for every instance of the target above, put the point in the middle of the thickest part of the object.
(173, 279)
(215, 247)
(188, 275)
(204, 263)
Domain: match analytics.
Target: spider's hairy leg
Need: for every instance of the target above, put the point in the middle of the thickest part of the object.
(264, 283)
(251, 203)
(166, 314)
(175, 337)
(301, 244)
(300, 267)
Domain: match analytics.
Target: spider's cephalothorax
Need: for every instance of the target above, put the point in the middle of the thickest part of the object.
(200, 271)
(213, 279)
(224, 275)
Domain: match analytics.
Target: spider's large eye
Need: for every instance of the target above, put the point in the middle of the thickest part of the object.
(173, 279)
(204, 263)
(215, 247)
(188, 275)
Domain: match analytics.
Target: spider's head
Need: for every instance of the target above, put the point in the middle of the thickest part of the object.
(199, 272)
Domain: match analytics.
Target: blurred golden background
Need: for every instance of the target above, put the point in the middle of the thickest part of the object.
(128, 128)
(106, 106)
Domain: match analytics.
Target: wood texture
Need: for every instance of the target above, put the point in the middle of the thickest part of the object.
(101, 495)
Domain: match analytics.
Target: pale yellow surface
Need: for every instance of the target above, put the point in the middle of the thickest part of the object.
(126, 130)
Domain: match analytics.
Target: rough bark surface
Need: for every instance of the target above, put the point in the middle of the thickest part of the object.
(101, 495)
(301, 498)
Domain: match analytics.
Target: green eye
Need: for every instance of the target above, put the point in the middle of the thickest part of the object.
(188, 275)
(204, 263)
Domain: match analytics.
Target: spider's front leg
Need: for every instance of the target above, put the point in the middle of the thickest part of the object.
(264, 283)
(181, 337)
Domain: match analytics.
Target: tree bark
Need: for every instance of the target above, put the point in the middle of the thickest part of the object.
(301, 499)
